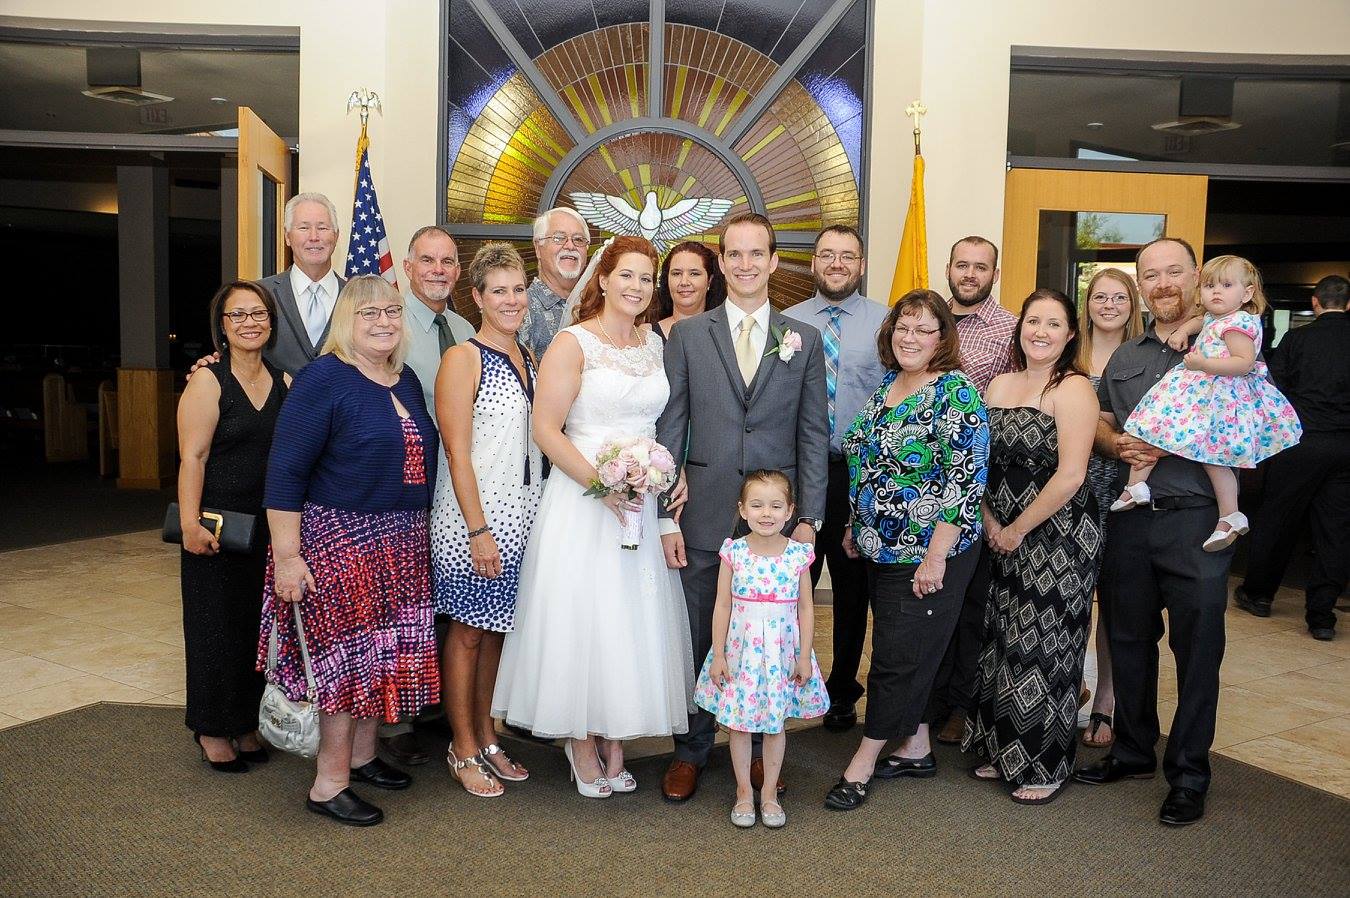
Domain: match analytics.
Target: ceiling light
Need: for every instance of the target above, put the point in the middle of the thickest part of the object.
(220, 100)
(130, 96)
(1095, 125)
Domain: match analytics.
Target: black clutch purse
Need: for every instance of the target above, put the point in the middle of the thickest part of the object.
(234, 530)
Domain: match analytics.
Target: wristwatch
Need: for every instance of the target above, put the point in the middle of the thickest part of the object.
(816, 523)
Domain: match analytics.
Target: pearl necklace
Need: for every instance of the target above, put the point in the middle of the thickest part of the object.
(600, 324)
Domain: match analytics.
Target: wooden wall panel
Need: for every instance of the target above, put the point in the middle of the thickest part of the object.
(147, 436)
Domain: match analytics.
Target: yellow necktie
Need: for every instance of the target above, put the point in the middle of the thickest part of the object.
(746, 357)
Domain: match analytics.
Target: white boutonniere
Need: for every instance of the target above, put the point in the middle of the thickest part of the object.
(788, 343)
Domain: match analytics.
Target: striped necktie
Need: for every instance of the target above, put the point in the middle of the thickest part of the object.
(831, 342)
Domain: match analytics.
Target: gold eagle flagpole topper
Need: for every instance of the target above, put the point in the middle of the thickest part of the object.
(365, 100)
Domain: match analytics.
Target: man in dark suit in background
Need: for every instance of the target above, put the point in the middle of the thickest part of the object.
(307, 291)
(1310, 481)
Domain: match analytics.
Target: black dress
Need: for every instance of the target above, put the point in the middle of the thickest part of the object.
(222, 593)
(1039, 610)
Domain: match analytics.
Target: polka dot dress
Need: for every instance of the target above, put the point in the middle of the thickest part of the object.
(509, 471)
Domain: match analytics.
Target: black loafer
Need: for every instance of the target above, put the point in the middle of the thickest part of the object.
(347, 808)
(891, 767)
(1325, 634)
(1109, 770)
(381, 775)
(841, 717)
(1250, 604)
(845, 796)
(1182, 806)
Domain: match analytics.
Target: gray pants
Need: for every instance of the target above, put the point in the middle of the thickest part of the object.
(699, 578)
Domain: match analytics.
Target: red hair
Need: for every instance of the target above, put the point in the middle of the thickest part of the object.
(592, 298)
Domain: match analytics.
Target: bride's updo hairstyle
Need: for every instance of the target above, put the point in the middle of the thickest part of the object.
(592, 297)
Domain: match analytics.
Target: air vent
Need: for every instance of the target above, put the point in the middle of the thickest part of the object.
(1194, 125)
(130, 96)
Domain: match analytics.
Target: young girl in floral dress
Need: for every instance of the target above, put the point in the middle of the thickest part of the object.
(1218, 407)
(761, 669)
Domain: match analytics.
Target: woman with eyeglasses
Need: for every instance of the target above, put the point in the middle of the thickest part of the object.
(1109, 317)
(225, 422)
(917, 460)
(349, 483)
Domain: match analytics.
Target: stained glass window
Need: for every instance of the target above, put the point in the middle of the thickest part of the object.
(761, 102)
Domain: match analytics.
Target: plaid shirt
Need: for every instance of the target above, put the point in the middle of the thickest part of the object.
(986, 336)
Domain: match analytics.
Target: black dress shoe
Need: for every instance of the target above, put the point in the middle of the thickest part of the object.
(1109, 770)
(1250, 604)
(381, 775)
(405, 748)
(891, 767)
(1182, 806)
(347, 807)
(841, 717)
(1326, 634)
(234, 765)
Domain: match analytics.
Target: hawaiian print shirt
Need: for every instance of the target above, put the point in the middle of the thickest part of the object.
(543, 317)
(909, 467)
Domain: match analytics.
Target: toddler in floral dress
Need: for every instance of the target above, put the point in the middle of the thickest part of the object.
(1218, 407)
(761, 669)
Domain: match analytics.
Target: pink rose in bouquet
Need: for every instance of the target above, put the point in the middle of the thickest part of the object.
(634, 467)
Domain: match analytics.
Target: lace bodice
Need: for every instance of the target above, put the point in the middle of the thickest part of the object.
(623, 391)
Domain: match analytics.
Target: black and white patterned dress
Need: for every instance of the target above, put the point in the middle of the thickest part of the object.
(1039, 610)
(509, 471)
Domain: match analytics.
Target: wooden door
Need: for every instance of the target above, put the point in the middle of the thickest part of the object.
(264, 186)
(1049, 216)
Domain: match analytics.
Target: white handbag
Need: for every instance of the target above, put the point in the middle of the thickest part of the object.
(290, 726)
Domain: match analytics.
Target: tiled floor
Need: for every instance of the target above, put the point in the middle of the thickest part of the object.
(100, 620)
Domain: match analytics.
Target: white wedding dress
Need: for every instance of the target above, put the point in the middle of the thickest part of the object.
(601, 641)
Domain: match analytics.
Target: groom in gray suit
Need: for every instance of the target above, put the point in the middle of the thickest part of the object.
(741, 405)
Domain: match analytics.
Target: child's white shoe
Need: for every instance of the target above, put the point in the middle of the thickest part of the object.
(1135, 494)
(743, 819)
(1222, 539)
(773, 819)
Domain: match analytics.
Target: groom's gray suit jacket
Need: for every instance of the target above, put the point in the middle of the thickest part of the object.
(780, 421)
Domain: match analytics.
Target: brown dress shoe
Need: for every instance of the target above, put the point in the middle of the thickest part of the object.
(680, 781)
(953, 729)
(757, 776)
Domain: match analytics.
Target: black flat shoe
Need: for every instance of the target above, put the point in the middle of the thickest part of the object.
(347, 808)
(845, 796)
(1109, 770)
(841, 717)
(1325, 634)
(892, 767)
(380, 775)
(234, 765)
(1250, 604)
(1182, 807)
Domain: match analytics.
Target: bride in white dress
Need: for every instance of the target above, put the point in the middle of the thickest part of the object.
(600, 652)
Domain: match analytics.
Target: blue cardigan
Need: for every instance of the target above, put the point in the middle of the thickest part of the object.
(338, 442)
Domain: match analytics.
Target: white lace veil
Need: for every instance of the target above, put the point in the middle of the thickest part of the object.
(573, 298)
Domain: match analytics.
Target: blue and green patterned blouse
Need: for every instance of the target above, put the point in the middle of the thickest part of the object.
(914, 465)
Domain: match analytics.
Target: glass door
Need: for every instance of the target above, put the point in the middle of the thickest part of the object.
(1059, 227)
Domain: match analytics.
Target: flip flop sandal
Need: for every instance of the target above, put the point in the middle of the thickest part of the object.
(1095, 722)
(1044, 799)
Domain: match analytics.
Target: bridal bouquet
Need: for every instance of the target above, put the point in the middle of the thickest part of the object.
(633, 467)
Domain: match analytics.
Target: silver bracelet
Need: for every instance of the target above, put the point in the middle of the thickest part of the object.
(479, 532)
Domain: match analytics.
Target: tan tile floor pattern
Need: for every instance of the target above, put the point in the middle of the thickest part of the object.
(100, 620)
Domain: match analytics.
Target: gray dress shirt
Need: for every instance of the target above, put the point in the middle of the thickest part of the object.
(424, 353)
(543, 318)
(1132, 370)
(860, 369)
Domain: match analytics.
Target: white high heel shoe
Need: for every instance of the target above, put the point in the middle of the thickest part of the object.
(1222, 539)
(1138, 495)
(598, 789)
(623, 781)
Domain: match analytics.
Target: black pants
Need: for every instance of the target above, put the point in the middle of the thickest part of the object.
(1153, 561)
(909, 636)
(1310, 481)
(848, 581)
(954, 687)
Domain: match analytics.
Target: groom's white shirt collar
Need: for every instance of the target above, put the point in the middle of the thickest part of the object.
(761, 315)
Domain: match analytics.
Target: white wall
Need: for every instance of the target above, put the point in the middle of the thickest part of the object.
(954, 54)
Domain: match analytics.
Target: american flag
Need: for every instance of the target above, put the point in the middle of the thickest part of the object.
(368, 249)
